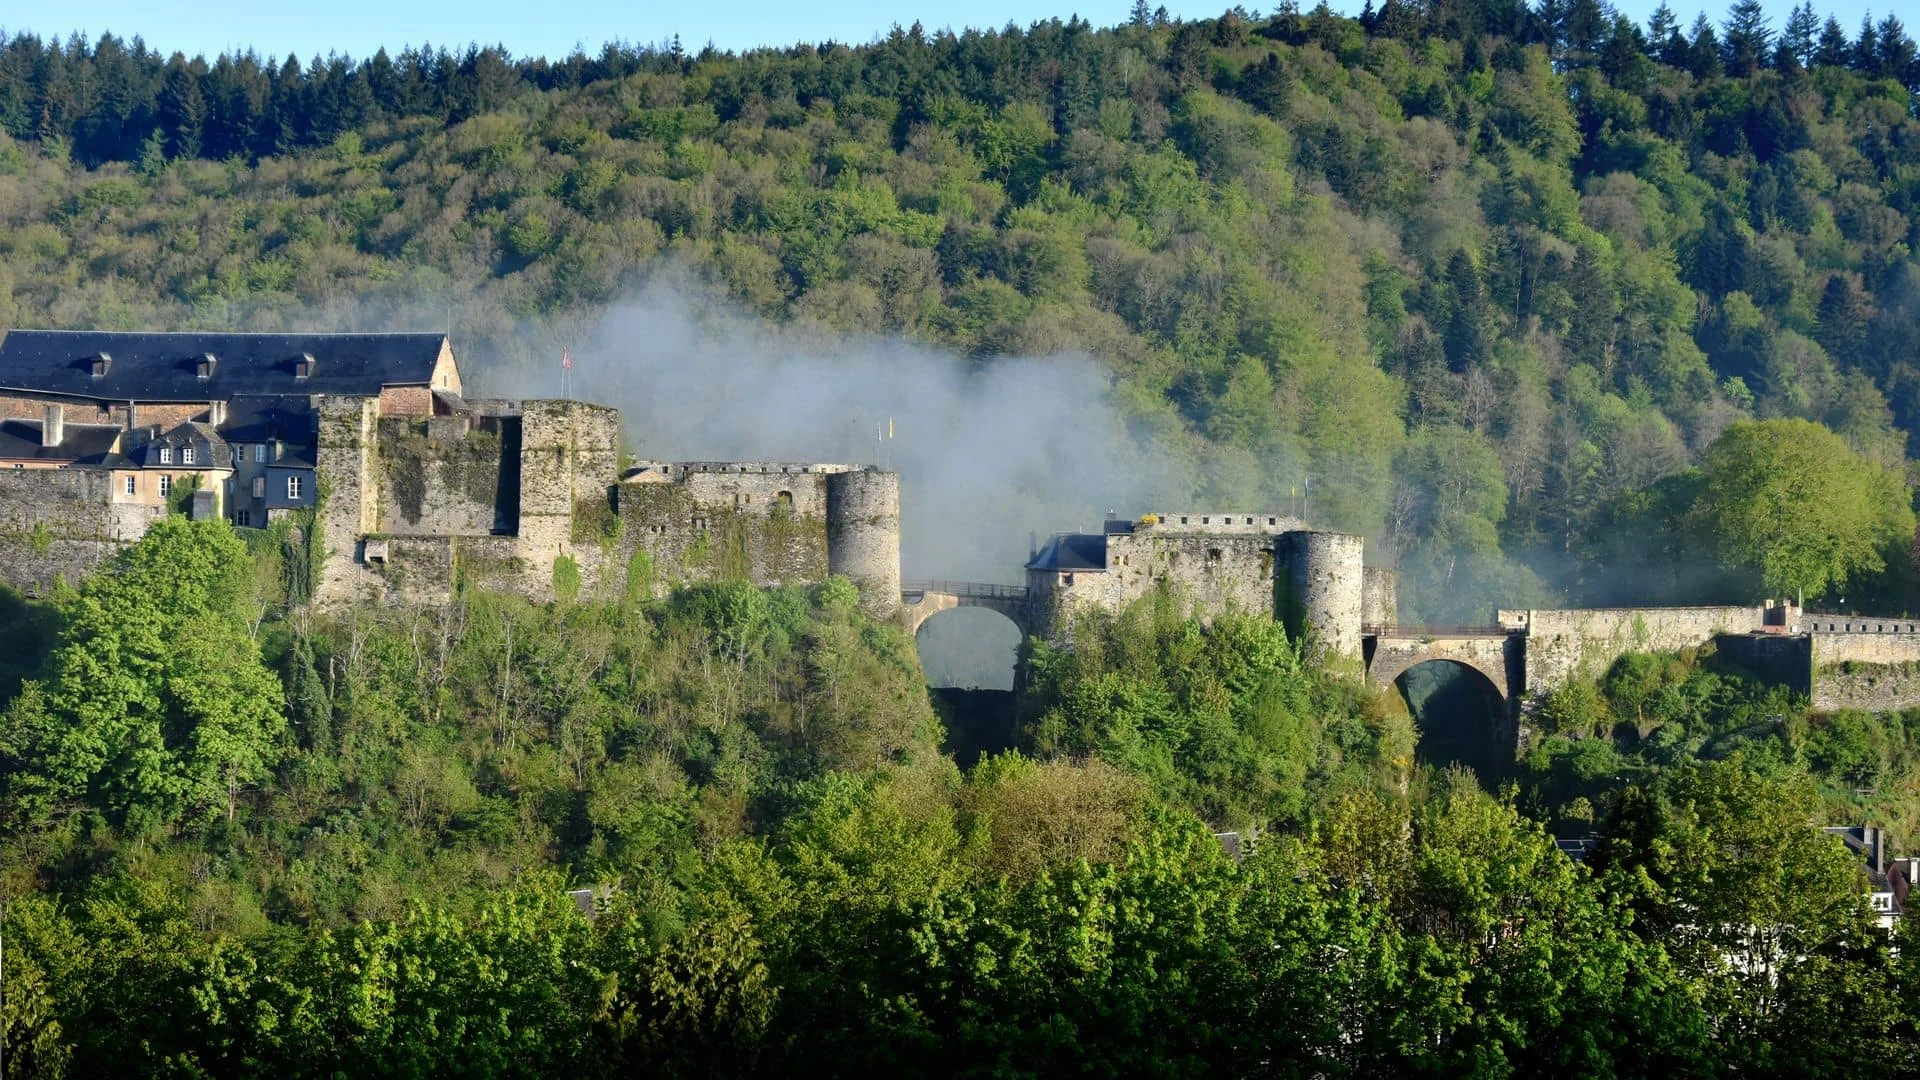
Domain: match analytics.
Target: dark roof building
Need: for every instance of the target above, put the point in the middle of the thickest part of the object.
(190, 444)
(1071, 551)
(81, 444)
(116, 366)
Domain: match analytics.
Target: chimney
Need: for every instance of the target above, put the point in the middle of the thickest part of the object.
(53, 427)
(100, 365)
(303, 367)
(216, 413)
(1878, 837)
(205, 368)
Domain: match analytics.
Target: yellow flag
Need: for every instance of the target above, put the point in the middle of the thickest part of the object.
(889, 427)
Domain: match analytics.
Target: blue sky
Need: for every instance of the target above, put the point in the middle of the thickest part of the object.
(552, 27)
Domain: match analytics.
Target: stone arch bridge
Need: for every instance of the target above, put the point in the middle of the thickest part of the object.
(1496, 652)
(922, 600)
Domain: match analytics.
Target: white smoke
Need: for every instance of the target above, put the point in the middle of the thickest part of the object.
(989, 453)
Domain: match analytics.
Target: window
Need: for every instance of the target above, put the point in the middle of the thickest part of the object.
(259, 452)
(133, 485)
(166, 455)
(293, 487)
(186, 455)
(236, 455)
(166, 485)
(243, 518)
(259, 487)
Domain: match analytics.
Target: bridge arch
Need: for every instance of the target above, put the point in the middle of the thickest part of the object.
(969, 647)
(922, 600)
(1461, 716)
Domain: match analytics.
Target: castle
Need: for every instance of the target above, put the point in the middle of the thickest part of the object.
(412, 487)
(410, 490)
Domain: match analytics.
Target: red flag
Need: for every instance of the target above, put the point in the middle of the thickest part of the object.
(566, 360)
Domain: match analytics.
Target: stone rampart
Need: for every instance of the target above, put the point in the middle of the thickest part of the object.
(768, 528)
(443, 479)
(863, 535)
(1866, 669)
(60, 524)
(1563, 645)
(1380, 598)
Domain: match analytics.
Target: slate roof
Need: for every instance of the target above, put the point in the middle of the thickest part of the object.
(157, 367)
(262, 419)
(219, 454)
(83, 444)
(288, 419)
(1071, 551)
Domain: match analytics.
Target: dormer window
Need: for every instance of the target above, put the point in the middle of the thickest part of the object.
(303, 367)
(166, 455)
(186, 455)
(204, 368)
(100, 365)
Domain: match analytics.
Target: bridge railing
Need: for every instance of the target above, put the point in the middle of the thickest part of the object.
(1492, 630)
(979, 590)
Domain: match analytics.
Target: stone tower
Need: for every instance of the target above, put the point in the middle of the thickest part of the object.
(1323, 592)
(863, 535)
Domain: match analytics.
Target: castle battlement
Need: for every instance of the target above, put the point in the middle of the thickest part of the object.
(1212, 524)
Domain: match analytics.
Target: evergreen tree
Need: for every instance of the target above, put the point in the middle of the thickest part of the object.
(1801, 36)
(1833, 49)
(1866, 48)
(1664, 34)
(1469, 332)
(1267, 85)
(1748, 38)
(1703, 52)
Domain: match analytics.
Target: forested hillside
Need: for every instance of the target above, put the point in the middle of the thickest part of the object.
(1480, 280)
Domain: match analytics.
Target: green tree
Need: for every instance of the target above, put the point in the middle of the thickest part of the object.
(1789, 500)
(155, 703)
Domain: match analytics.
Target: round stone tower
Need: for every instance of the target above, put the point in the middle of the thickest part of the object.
(863, 535)
(1324, 592)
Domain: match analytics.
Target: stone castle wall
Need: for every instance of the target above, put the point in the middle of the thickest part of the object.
(1380, 598)
(1867, 669)
(447, 478)
(863, 535)
(60, 524)
(1563, 645)
(413, 506)
(1213, 574)
(688, 523)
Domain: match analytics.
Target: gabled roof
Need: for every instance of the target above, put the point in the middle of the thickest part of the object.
(1071, 551)
(219, 455)
(166, 367)
(82, 444)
